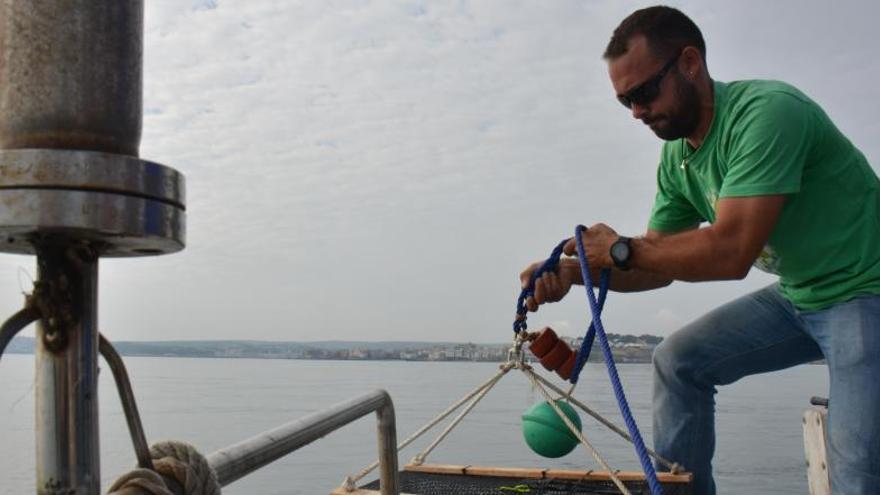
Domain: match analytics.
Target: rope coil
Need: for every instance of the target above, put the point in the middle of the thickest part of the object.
(143, 480)
(178, 461)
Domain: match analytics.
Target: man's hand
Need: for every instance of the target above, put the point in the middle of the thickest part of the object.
(597, 245)
(552, 286)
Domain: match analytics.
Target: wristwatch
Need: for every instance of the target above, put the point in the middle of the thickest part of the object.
(621, 252)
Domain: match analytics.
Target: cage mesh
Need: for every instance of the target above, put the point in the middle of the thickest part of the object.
(461, 484)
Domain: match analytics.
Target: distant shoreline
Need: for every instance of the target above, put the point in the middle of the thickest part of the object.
(626, 349)
(175, 356)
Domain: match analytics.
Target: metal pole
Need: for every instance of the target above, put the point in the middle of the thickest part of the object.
(387, 437)
(67, 450)
(236, 461)
(129, 405)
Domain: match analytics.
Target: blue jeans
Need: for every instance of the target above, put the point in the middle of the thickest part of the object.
(764, 332)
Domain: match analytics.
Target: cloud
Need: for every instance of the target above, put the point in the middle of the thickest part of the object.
(384, 170)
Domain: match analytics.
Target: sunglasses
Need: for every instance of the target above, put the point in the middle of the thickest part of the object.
(649, 90)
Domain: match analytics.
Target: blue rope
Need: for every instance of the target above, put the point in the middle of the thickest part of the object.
(595, 329)
(596, 310)
(549, 265)
(583, 353)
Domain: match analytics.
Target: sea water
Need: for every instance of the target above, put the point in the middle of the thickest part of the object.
(213, 403)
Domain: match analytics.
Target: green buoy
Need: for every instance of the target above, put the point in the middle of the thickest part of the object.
(546, 433)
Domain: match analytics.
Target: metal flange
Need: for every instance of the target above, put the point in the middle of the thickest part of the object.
(122, 205)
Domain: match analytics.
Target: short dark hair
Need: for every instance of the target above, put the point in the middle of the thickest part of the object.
(666, 29)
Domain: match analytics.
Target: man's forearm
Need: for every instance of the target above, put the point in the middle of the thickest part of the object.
(724, 250)
(634, 280)
(695, 255)
(621, 281)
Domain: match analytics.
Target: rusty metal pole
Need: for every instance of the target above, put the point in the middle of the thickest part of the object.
(72, 74)
(73, 189)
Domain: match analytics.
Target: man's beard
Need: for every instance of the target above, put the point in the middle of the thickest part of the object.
(683, 122)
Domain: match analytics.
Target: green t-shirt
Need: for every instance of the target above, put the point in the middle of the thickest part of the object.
(766, 138)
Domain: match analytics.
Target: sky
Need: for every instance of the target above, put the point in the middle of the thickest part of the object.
(383, 170)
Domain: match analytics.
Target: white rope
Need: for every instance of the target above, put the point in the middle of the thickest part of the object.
(144, 480)
(176, 460)
(420, 458)
(183, 462)
(349, 483)
(672, 466)
(577, 433)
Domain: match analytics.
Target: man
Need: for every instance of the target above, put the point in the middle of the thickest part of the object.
(773, 183)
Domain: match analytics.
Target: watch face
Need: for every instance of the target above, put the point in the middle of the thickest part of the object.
(620, 252)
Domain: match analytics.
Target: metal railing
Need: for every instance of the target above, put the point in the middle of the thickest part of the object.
(238, 460)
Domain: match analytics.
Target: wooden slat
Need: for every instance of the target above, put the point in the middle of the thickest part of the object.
(475, 470)
(341, 491)
(435, 468)
(543, 473)
(503, 472)
(663, 477)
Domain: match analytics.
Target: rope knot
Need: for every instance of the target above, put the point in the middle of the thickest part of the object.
(175, 460)
(184, 463)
